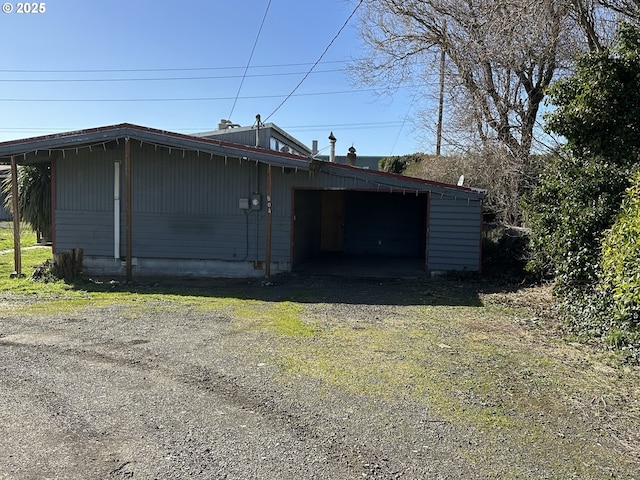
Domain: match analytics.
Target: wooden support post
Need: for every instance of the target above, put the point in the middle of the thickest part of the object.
(17, 254)
(128, 206)
(267, 256)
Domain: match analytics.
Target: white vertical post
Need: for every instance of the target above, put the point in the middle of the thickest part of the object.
(116, 210)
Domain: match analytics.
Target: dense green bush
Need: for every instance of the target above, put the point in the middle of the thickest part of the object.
(582, 234)
(398, 164)
(620, 279)
(610, 312)
(577, 200)
(598, 112)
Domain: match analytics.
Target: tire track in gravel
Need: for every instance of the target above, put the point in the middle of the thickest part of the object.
(356, 461)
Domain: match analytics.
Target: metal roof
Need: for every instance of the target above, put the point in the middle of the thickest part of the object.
(102, 135)
(96, 136)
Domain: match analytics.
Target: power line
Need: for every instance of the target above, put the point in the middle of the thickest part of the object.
(244, 75)
(154, 79)
(191, 99)
(318, 61)
(170, 69)
(299, 128)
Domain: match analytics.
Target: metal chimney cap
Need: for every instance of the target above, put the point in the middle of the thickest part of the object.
(331, 137)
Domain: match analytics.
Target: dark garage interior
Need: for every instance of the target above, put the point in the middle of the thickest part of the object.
(359, 232)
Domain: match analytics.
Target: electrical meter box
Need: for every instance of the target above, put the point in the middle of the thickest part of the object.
(255, 202)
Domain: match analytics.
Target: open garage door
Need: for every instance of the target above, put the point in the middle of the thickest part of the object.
(340, 228)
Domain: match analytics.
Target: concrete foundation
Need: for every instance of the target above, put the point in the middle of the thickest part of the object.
(162, 267)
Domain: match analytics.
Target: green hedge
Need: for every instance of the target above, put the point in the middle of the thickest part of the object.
(621, 270)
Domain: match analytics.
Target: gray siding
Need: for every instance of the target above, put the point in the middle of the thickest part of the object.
(185, 206)
(90, 230)
(84, 203)
(85, 181)
(454, 234)
(244, 137)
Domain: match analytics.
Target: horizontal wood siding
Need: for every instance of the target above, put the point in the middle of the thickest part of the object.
(208, 237)
(454, 234)
(85, 181)
(90, 230)
(84, 201)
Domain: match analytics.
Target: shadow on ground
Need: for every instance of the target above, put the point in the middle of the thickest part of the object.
(461, 290)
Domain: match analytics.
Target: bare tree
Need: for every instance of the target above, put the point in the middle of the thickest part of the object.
(628, 9)
(598, 20)
(501, 56)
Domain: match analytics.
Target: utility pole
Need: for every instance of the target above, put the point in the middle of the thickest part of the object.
(441, 102)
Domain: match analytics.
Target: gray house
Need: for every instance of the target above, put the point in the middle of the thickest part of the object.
(141, 201)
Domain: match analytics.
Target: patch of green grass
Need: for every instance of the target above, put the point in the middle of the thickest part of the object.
(31, 258)
(283, 318)
(474, 368)
(27, 236)
(60, 297)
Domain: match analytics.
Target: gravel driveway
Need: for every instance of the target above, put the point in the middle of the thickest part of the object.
(177, 393)
(168, 388)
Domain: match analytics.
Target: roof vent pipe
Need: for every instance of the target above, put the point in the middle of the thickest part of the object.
(351, 156)
(314, 148)
(258, 125)
(332, 142)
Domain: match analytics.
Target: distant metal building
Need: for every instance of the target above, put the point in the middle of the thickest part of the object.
(268, 136)
(148, 202)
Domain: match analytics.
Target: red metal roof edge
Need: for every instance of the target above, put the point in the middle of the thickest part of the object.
(406, 178)
(54, 136)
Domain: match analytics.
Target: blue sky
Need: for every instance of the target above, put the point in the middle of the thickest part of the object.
(178, 65)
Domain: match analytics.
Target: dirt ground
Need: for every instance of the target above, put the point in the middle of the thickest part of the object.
(239, 380)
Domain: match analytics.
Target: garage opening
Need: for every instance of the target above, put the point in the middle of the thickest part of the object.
(359, 232)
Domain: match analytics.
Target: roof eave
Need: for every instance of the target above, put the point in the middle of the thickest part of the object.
(402, 182)
(69, 140)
